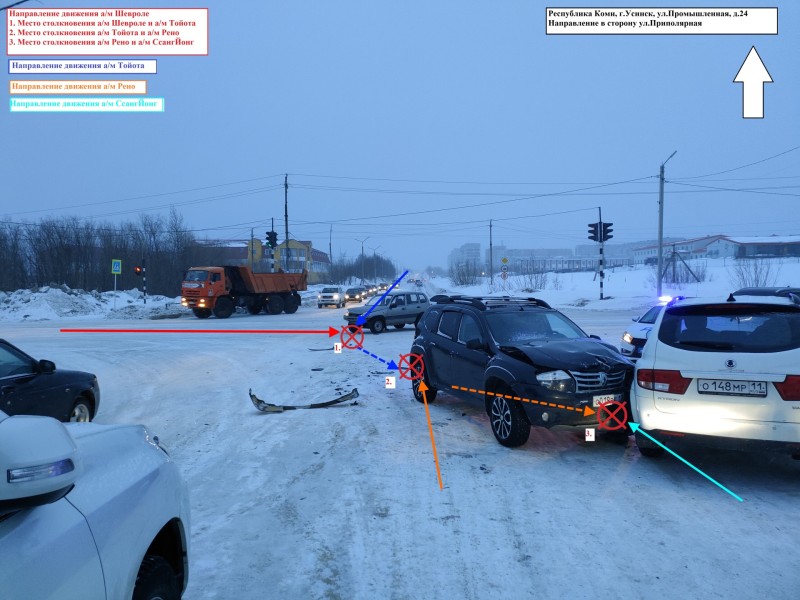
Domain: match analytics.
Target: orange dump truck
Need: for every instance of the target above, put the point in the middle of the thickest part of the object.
(219, 290)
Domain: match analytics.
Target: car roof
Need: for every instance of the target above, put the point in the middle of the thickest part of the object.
(777, 300)
(491, 302)
(767, 291)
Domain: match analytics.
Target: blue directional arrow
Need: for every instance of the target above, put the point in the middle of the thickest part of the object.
(635, 427)
(362, 319)
(389, 364)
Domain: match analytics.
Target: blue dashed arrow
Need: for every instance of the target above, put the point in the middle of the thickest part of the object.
(389, 364)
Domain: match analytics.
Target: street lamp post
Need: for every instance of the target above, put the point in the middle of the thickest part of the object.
(362, 258)
(374, 263)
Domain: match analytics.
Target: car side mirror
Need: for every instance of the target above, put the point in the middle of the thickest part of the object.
(476, 344)
(595, 337)
(40, 462)
(46, 366)
(634, 319)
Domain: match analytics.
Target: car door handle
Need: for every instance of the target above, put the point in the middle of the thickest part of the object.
(5, 389)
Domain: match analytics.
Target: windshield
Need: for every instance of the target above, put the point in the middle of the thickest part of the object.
(330, 290)
(651, 315)
(376, 299)
(529, 326)
(732, 328)
(195, 275)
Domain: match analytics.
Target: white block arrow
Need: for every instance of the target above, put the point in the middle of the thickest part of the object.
(753, 75)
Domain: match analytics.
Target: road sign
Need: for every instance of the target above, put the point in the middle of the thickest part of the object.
(116, 266)
(504, 275)
(504, 268)
(504, 260)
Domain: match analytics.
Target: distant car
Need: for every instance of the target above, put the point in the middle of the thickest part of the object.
(355, 294)
(785, 292)
(331, 296)
(651, 260)
(419, 283)
(634, 338)
(397, 308)
(382, 287)
(35, 387)
(90, 511)
(525, 361)
(721, 372)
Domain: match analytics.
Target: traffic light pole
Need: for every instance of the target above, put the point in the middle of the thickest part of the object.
(602, 248)
(144, 279)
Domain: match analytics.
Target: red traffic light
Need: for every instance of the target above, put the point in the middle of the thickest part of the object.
(138, 270)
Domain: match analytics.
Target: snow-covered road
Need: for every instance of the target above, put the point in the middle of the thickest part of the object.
(344, 502)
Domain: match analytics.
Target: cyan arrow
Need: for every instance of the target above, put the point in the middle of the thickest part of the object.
(363, 318)
(635, 427)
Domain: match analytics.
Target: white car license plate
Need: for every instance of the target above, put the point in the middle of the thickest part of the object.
(598, 400)
(726, 387)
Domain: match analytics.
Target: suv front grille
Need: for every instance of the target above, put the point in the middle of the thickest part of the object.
(593, 382)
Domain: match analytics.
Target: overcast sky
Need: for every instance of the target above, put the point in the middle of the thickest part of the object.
(413, 123)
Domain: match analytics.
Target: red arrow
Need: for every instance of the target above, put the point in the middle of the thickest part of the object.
(330, 331)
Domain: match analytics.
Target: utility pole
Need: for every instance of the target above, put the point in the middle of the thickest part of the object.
(491, 258)
(252, 248)
(286, 218)
(661, 224)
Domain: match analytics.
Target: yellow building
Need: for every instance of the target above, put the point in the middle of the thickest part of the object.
(300, 256)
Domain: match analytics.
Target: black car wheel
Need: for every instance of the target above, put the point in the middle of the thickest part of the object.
(156, 580)
(430, 394)
(223, 308)
(377, 326)
(291, 304)
(509, 424)
(81, 411)
(399, 325)
(202, 313)
(274, 305)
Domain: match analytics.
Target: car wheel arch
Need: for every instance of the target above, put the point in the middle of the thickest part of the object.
(171, 545)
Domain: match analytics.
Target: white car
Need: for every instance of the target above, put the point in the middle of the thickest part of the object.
(724, 372)
(331, 296)
(89, 511)
(635, 337)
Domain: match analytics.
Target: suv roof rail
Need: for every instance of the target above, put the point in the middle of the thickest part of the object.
(484, 302)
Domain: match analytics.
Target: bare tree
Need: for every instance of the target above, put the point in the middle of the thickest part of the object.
(754, 272)
(465, 273)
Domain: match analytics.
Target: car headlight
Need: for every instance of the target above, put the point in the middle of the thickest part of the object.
(336, 296)
(559, 381)
(627, 338)
(319, 296)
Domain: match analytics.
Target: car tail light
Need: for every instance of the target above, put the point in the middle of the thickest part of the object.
(660, 380)
(789, 389)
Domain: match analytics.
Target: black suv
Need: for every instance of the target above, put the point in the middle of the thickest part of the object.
(530, 363)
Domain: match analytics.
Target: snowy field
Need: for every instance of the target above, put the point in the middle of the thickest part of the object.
(344, 502)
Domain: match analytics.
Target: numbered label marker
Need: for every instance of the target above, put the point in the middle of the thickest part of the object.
(590, 435)
(391, 383)
(337, 348)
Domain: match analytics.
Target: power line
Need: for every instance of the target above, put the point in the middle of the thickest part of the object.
(763, 160)
(742, 190)
(208, 187)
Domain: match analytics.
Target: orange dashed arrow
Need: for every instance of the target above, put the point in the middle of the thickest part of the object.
(587, 411)
(424, 388)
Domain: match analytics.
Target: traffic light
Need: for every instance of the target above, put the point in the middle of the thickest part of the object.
(272, 239)
(594, 232)
(607, 231)
(138, 270)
